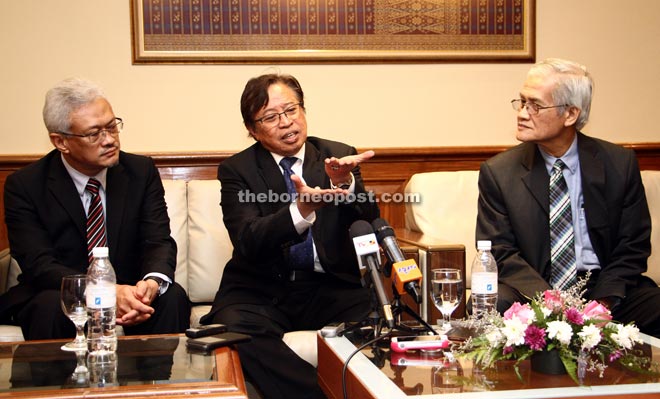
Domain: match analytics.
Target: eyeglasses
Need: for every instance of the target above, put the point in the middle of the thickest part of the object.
(532, 108)
(292, 112)
(113, 128)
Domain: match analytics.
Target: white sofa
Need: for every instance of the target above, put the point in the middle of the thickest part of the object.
(204, 248)
(448, 211)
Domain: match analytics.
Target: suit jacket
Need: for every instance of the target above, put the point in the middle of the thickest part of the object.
(46, 223)
(262, 231)
(513, 213)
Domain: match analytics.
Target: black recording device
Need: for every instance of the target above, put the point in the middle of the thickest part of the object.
(205, 330)
(208, 343)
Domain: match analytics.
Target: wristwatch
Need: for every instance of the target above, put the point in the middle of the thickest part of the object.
(162, 284)
(344, 185)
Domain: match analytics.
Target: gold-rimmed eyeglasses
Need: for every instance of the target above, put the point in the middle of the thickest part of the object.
(291, 112)
(532, 108)
(114, 128)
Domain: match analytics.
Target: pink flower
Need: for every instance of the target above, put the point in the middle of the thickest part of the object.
(507, 349)
(574, 316)
(614, 355)
(552, 299)
(535, 337)
(524, 313)
(596, 311)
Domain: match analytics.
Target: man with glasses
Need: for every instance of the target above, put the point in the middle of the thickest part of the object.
(563, 205)
(294, 265)
(47, 205)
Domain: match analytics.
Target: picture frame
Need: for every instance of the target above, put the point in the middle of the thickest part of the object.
(332, 31)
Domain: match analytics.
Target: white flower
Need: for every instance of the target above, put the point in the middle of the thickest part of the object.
(514, 331)
(560, 330)
(590, 335)
(546, 312)
(494, 337)
(626, 336)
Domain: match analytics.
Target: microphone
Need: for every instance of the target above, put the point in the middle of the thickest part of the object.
(366, 249)
(406, 275)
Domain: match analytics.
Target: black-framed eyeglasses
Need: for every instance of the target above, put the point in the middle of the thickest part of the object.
(114, 128)
(292, 112)
(532, 108)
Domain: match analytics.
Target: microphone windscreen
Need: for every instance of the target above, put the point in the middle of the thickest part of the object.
(360, 228)
(382, 229)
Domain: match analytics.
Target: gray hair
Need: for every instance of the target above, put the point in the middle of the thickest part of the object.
(66, 97)
(573, 85)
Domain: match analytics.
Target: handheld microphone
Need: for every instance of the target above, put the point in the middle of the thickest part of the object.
(406, 275)
(366, 249)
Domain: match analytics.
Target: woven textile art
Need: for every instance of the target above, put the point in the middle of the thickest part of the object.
(334, 25)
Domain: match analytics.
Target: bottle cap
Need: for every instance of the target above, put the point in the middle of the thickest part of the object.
(100, 252)
(483, 244)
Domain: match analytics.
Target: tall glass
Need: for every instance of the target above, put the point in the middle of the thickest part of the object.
(446, 292)
(72, 299)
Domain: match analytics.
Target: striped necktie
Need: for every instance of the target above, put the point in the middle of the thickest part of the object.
(301, 255)
(562, 239)
(95, 221)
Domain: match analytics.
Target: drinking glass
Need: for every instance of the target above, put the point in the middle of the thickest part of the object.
(446, 293)
(72, 299)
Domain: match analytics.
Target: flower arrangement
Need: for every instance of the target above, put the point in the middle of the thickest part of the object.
(581, 331)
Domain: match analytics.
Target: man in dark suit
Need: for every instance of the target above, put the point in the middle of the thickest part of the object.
(264, 291)
(608, 209)
(46, 205)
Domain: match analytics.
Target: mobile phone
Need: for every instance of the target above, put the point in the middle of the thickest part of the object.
(417, 358)
(332, 330)
(427, 342)
(208, 343)
(205, 330)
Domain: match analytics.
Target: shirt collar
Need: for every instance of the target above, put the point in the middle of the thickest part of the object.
(300, 155)
(80, 179)
(571, 158)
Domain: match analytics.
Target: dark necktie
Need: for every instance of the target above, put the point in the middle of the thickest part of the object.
(301, 255)
(95, 220)
(562, 239)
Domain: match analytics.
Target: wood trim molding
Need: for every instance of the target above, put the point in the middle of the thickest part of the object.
(387, 172)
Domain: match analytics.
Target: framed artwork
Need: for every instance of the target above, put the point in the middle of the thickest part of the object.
(332, 31)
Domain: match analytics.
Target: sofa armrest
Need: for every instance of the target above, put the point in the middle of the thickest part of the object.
(5, 261)
(433, 254)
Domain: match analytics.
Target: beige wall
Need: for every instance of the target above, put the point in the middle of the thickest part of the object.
(195, 107)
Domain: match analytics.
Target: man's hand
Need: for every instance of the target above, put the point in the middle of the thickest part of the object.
(339, 169)
(311, 199)
(133, 302)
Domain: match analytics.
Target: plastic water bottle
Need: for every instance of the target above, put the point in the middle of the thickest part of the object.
(102, 369)
(101, 298)
(484, 280)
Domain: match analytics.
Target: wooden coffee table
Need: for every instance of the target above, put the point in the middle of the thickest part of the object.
(374, 373)
(153, 366)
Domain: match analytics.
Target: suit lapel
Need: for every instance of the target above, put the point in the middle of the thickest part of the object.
(63, 189)
(313, 167)
(592, 171)
(536, 179)
(116, 195)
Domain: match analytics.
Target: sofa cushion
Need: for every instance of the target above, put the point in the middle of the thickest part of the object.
(177, 209)
(209, 246)
(447, 209)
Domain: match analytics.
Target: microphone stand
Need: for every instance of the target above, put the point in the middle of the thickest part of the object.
(373, 319)
(399, 307)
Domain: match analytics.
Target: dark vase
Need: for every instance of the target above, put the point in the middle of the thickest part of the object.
(547, 362)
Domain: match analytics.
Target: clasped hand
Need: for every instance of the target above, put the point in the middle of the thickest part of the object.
(339, 170)
(133, 302)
